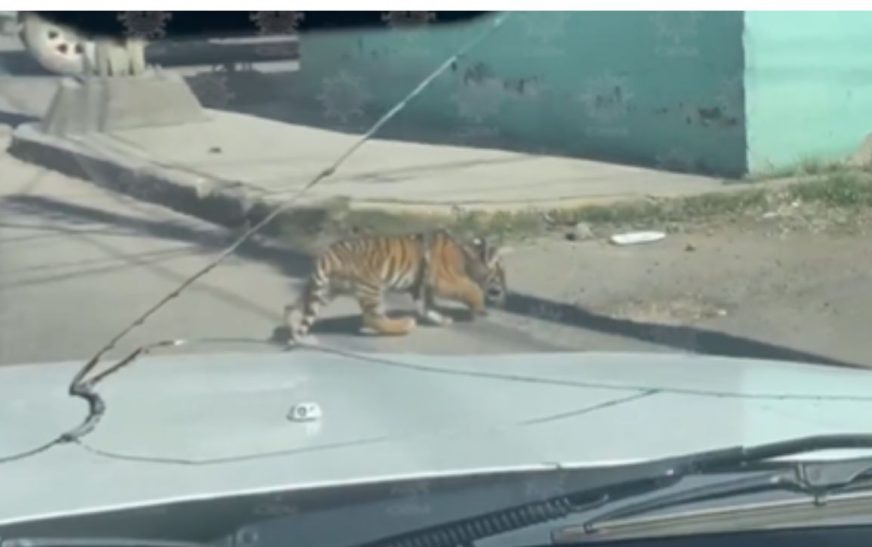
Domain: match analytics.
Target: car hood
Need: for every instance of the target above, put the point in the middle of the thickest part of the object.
(191, 426)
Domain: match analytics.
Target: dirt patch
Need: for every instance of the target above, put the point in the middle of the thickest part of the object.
(686, 310)
(798, 288)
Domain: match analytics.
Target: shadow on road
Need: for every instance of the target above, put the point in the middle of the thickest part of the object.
(297, 266)
(83, 268)
(686, 338)
(351, 324)
(288, 262)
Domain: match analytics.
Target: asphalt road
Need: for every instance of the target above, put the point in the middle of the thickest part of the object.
(78, 263)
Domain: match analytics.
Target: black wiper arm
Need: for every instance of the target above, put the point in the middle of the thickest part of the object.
(738, 456)
(816, 478)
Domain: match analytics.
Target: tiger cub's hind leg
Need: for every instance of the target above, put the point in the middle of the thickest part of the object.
(316, 296)
(371, 300)
(297, 333)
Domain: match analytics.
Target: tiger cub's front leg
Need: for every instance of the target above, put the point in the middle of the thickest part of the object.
(371, 300)
(466, 292)
(426, 307)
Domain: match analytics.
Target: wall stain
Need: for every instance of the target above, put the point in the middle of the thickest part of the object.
(706, 116)
(523, 86)
(716, 116)
(480, 74)
(476, 74)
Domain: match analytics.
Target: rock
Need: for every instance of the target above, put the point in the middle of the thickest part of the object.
(690, 247)
(580, 232)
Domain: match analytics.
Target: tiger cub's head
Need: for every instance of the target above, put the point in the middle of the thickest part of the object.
(488, 270)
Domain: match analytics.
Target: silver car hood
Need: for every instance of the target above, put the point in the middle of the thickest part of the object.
(193, 426)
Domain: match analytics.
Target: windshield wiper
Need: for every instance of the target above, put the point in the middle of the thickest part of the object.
(815, 478)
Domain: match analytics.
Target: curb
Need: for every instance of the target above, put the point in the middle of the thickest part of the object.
(304, 227)
(224, 203)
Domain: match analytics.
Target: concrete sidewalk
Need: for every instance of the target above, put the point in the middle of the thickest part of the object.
(233, 167)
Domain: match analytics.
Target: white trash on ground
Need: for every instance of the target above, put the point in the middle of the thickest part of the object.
(636, 238)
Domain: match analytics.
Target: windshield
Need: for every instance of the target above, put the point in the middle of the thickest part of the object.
(434, 184)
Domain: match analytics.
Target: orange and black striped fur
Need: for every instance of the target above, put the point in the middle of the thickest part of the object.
(427, 265)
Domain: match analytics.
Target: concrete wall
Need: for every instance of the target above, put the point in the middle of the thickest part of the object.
(808, 86)
(661, 89)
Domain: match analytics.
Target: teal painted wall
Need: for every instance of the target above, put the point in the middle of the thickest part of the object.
(808, 86)
(659, 89)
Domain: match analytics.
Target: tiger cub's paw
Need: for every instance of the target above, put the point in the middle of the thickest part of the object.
(433, 317)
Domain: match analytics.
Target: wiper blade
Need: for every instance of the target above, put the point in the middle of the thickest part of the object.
(816, 478)
(785, 481)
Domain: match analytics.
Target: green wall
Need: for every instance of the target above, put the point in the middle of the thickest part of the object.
(808, 85)
(661, 89)
(711, 92)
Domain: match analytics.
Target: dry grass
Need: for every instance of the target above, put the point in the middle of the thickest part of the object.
(844, 191)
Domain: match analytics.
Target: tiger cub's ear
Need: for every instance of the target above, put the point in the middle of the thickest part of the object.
(490, 254)
(481, 247)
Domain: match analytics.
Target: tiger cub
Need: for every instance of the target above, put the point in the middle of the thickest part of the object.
(427, 265)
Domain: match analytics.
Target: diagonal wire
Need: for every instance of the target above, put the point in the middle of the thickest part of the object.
(77, 382)
(84, 390)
